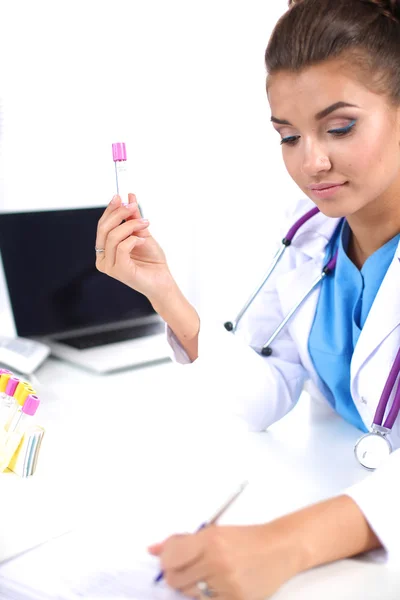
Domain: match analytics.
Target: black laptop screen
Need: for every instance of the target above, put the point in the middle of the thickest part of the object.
(49, 263)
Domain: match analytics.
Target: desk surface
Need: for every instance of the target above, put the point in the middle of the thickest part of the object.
(142, 443)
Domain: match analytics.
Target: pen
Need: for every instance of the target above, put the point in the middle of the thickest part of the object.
(214, 518)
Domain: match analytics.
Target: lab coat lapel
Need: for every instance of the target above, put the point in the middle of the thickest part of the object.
(310, 250)
(383, 317)
(291, 288)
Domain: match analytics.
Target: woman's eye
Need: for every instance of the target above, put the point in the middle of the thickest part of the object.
(343, 130)
(339, 131)
(291, 140)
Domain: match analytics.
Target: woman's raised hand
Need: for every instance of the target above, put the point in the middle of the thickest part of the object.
(127, 251)
(131, 254)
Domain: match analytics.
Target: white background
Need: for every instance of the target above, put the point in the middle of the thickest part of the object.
(182, 82)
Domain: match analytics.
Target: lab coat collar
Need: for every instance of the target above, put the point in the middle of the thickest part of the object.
(313, 237)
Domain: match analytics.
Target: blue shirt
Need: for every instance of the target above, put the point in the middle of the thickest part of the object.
(345, 300)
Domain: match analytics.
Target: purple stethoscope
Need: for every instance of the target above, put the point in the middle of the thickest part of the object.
(373, 447)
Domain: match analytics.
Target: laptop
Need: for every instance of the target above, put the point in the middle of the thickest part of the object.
(58, 297)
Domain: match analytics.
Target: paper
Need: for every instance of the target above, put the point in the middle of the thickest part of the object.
(135, 582)
(85, 565)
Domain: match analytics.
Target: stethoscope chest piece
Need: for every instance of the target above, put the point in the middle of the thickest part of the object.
(372, 449)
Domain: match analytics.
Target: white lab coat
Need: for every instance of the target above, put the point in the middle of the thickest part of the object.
(264, 389)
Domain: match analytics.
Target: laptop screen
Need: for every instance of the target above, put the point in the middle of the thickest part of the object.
(53, 284)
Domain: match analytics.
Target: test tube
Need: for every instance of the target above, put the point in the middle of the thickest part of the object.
(8, 400)
(28, 410)
(121, 171)
(21, 393)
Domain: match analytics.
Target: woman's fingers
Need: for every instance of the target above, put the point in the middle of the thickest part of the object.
(114, 239)
(122, 255)
(185, 580)
(155, 549)
(136, 214)
(181, 550)
(112, 207)
(112, 217)
(131, 201)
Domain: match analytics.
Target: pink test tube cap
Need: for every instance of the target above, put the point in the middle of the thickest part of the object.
(4, 371)
(31, 405)
(11, 385)
(119, 151)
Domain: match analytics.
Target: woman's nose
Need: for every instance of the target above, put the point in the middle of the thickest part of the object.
(315, 160)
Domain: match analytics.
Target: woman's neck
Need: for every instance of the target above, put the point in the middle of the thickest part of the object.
(371, 229)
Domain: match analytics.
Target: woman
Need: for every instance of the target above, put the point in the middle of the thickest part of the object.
(334, 90)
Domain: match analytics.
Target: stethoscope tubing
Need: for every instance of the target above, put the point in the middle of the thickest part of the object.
(266, 350)
(384, 400)
(232, 325)
(287, 240)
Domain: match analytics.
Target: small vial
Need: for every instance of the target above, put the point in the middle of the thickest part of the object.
(121, 171)
(21, 419)
(22, 391)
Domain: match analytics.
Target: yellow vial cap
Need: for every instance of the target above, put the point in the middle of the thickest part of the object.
(4, 377)
(22, 392)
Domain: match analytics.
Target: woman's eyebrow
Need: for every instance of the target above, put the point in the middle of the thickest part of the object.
(320, 115)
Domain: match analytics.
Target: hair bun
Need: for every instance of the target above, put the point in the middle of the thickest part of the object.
(389, 8)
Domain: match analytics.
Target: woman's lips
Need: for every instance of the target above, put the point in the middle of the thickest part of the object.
(327, 192)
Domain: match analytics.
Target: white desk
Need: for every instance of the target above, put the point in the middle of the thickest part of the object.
(141, 446)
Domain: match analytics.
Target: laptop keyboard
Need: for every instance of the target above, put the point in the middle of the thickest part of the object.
(20, 346)
(101, 338)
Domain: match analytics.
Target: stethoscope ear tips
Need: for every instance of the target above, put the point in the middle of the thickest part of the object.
(228, 326)
(266, 351)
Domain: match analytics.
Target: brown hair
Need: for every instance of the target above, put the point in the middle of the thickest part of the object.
(365, 33)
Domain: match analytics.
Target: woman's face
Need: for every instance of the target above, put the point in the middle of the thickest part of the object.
(324, 142)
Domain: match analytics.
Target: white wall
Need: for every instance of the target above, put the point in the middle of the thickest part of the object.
(182, 83)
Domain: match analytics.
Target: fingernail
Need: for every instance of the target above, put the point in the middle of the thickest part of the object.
(143, 220)
(115, 199)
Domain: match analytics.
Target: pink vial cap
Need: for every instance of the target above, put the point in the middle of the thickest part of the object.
(11, 385)
(119, 151)
(4, 371)
(31, 405)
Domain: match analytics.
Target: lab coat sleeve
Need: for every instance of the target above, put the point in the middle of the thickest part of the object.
(377, 496)
(177, 353)
(260, 390)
